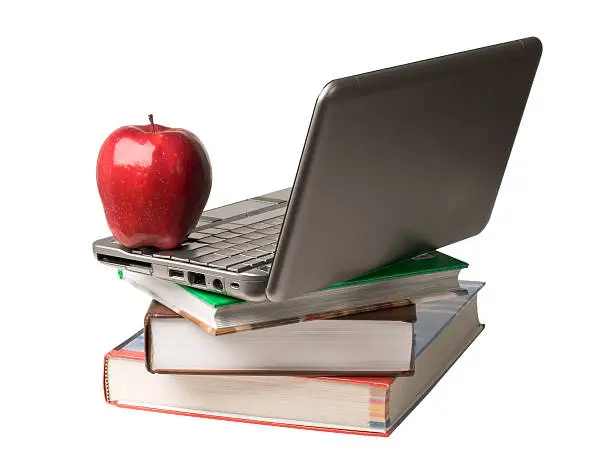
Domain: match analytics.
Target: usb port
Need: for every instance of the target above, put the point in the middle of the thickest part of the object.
(176, 274)
(198, 279)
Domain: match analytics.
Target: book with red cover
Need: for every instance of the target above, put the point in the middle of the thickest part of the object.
(361, 405)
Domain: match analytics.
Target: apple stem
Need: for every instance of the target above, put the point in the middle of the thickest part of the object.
(152, 124)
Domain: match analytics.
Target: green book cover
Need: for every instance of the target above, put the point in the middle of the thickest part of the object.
(431, 262)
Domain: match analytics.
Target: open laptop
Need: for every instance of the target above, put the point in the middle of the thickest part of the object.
(396, 162)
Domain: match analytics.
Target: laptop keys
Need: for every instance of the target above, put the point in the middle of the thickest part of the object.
(243, 266)
(263, 241)
(202, 251)
(231, 261)
(256, 253)
(238, 240)
(208, 231)
(196, 236)
(261, 225)
(187, 247)
(260, 266)
(269, 231)
(230, 251)
(227, 235)
(245, 246)
(207, 259)
(228, 226)
(253, 236)
(222, 245)
(187, 254)
(265, 260)
(238, 245)
(210, 240)
(269, 247)
(243, 230)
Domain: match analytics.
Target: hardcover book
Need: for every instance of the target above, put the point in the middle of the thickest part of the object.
(362, 405)
(378, 341)
(417, 279)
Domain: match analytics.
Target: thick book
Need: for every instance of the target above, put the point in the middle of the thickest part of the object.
(430, 275)
(363, 405)
(375, 342)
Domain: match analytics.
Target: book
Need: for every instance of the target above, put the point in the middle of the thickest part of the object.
(415, 279)
(376, 342)
(363, 405)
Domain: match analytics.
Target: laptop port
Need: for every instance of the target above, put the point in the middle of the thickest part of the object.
(133, 265)
(217, 284)
(176, 274)
(198, 279)
(235, 285)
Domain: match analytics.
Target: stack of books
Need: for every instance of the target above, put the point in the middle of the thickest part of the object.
(355, 357)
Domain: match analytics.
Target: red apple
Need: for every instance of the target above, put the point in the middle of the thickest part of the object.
(154, 182)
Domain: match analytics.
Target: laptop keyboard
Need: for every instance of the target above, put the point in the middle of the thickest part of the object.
(235, 245)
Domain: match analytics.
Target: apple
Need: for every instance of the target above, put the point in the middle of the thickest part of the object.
(154, 182)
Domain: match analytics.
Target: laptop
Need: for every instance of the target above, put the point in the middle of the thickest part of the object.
(396, 162)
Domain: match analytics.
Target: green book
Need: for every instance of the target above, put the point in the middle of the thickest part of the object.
(431, 275)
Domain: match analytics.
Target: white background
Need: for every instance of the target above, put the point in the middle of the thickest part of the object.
(245, 78)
